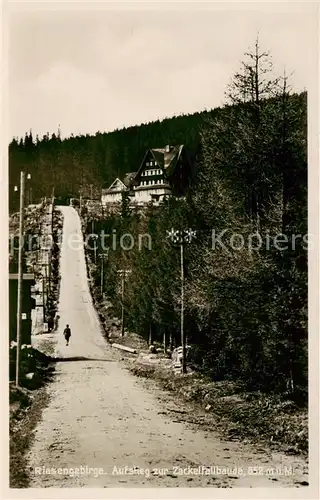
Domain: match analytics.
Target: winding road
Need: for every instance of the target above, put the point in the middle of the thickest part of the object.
(105, 428)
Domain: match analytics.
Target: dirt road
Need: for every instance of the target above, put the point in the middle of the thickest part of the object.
(104, 422)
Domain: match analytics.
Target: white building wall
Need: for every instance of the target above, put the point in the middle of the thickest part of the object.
(111, 198)
(141, 196)
(145, 195)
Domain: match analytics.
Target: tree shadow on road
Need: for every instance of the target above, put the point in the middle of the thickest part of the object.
(80, 358)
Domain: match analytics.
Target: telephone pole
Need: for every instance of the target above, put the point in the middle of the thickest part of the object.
(181, 237)
(43, 295)
(95, 237)
(122, 310)
(101, 282)
(20, 277)
(183, 337)
(123, 273)
(52, 208)
(102, 255)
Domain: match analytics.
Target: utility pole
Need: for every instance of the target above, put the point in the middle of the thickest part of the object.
(181, 237)
(95, 248)
(20, 277)
(44, 279)
(49, 269)
(101, 281)
(183, 338)
(123, 273)
(52, 205)
(28, 191)
(122, 301)
(102, 272)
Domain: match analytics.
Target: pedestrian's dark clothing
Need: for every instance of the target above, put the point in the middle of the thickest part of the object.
(67, 333)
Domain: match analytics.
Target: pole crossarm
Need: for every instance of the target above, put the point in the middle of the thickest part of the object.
(179, 236)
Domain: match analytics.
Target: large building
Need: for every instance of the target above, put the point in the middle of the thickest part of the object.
(163, 172)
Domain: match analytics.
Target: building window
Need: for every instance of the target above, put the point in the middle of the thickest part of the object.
(155, 163)
(147, 164)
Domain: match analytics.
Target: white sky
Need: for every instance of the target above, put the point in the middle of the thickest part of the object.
(97, 67)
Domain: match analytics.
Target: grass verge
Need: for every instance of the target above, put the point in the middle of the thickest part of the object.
(255, 417)
(25, 412)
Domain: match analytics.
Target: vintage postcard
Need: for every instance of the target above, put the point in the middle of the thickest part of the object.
(160, 264)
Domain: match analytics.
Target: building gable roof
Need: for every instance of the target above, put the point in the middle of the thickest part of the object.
(165, 159)
(117, 185)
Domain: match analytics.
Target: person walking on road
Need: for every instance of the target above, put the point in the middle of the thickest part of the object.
(67, 334)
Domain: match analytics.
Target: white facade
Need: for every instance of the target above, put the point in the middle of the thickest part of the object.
(114, 193)
(143, 195)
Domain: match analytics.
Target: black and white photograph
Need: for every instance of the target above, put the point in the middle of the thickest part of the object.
(161, 249)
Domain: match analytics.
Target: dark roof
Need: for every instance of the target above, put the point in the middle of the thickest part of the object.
(129, 177)
(166, 157)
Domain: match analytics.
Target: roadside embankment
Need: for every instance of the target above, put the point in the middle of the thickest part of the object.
(241, 415)
(36, 362)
